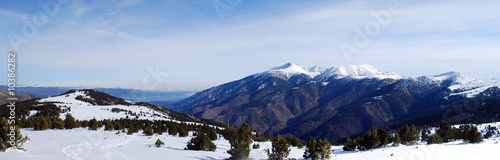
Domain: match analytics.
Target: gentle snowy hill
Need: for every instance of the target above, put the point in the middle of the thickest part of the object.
(89, 104)
(85, 111)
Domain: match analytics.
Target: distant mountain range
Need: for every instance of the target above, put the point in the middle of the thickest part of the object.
(333, 102)
(129, 94)
(20, 97)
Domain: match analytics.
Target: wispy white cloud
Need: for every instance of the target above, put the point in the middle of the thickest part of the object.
(7, 13)
(79, 12)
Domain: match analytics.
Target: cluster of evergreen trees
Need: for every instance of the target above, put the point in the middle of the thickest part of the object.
(203, 139)
(317, 149)
(406, 135)
(375, 138)
(130, 126)
(54, 122)
(490, 131)
(446, 132)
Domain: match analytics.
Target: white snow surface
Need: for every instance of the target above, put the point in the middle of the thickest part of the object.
(288, 70)
(359, 72)
(464, 85)
(348, 71)
(79, 144)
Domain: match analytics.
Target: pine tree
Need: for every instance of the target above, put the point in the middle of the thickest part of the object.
(172, 130)
(240, 145)
(370, 140)
(42, 124)
(408, 135)
(7, 131)
(434, 139)
(109, 126)
(445, 131)
(57, 123)
(157, 129)
(350, 145)
(311, 150)
(148, 131)
(413, 137)
(31, 123)
(159, 143)
(324, 149)
(93, 124)
(280, 149)
(384, 137)
(397, 140)
(229, 133)
(49, 122)
(212, 133)
(69, 122)
(78, 124)
(260, 137)
(183, 132)
(201, 142)
(470, 134)
(296, 142)
(130, 131)
(403, 133)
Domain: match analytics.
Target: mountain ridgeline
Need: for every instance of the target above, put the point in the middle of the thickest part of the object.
(333, 102)
(100, 98)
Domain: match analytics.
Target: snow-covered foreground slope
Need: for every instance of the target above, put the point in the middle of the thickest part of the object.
(84, 144)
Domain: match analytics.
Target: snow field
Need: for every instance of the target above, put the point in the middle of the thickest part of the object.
(80, 143)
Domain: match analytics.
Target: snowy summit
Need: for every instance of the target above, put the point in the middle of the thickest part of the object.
(319, 73)
(459, 84)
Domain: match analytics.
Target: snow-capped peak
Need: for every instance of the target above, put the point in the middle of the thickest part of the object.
(455, 77)
(319, 73)
(289, 69)
(458, 83)
(359, 72)
(463, 85)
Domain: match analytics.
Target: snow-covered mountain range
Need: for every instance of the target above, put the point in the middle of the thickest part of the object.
(459, 84)
(319, 73)
(456, 83)
(349, 98)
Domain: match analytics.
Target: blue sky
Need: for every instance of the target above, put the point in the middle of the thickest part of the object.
(189, 45)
